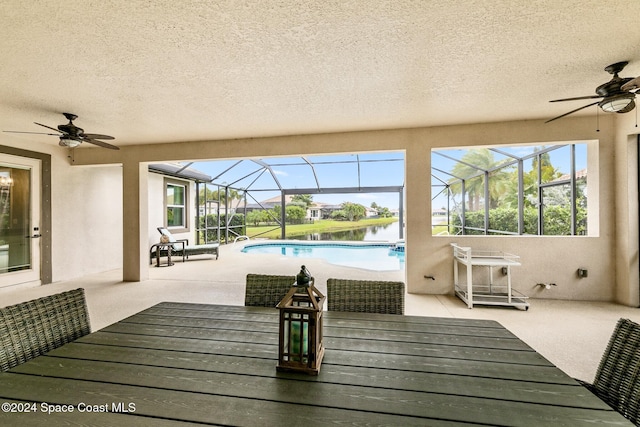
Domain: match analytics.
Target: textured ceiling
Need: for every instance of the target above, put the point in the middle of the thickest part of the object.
(166, 70)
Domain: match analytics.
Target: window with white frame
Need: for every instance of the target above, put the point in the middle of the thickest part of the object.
(176, 204)
(510, 190)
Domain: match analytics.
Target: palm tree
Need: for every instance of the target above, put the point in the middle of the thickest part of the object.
(473, 163)
(216, 195)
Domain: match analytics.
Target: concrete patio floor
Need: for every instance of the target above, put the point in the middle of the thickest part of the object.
(571, 334)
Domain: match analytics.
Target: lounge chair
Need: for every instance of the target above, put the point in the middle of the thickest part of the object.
(617, 380)
(264, 290)
(365, 296)
(35, 327)
(183, 248)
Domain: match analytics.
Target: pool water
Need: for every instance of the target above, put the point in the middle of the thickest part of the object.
(378, 257)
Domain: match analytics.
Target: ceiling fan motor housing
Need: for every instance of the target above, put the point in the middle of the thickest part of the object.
(71, 130)
(612, 87)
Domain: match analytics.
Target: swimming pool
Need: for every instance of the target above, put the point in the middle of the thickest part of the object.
(369, 256)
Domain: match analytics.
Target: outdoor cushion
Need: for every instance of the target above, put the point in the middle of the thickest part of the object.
(182, 246)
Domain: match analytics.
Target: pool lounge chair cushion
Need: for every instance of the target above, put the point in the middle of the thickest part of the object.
(35, 327)
(182, 247)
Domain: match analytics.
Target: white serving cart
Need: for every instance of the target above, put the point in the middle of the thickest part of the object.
(486, 294)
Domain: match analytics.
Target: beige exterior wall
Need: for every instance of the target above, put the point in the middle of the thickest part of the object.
(610, 253)
(86, 213)
(157, 208)
(626, 215)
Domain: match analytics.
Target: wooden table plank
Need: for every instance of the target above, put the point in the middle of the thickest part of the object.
(284, 391)
(187, 406)
(42, 415)
(214, 311)
(261, 344)
(389, 360)
(269, 322)
(569, 394)
(268, 334)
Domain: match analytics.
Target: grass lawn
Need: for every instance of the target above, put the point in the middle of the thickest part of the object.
(320, 226)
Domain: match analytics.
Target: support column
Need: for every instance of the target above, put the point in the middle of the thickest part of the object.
(135, 211)
(419, 246)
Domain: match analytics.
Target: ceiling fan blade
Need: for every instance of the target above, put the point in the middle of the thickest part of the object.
(97, 136)
(572, 111)
(577, 98)
(631, 85)
(100, 143)
(36, 133)
(49, 127)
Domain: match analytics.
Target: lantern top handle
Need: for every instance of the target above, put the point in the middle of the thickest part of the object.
(304, 278)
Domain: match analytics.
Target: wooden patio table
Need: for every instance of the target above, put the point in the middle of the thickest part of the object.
(180, 364)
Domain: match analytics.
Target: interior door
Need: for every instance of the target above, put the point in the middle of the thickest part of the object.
(20, 199)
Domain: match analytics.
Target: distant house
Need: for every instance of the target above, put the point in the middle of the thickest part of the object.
(370, 212)
(581, 174)
(316, 211)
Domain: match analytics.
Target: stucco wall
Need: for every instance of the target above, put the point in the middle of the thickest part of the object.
(86, 219)
(156, 208)
(627, 215)
(610, 255)
(544, 259)
(156, 217)
(86, 213)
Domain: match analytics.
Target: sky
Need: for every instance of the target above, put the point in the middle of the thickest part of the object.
(560, 158)
(351, 170)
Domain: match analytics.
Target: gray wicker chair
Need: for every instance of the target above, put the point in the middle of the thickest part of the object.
(365, 296)
(35, 327)
(263, 290)
(617, 379)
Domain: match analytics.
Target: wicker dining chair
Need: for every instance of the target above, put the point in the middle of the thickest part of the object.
(264, 290)
(365, 296)
(35, 327)
(617, 380)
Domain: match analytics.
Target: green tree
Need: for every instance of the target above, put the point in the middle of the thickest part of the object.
(472, 164)
(275, 212)
(217, 195)
(257, 216)
(305, 200)
(339, 215)
(295, 213)
(384, 213)
(353, 211)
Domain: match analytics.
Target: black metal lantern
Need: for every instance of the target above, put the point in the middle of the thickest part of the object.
(300, 347)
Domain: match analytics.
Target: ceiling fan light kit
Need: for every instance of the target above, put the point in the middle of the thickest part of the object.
(72, 136)
(618, 94)
(616, 104)
(68, 142)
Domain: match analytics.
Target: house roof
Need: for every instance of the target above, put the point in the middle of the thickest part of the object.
(168, 71)
(179, 170)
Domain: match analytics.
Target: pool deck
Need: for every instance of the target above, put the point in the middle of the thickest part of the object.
(571, 334)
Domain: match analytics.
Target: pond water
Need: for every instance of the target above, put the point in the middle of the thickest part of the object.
(387, 232)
